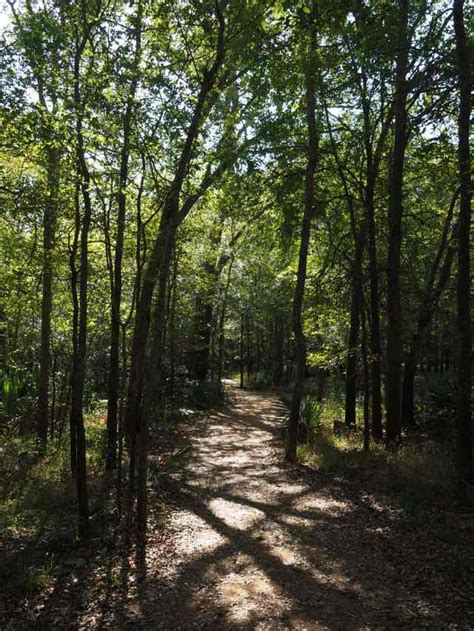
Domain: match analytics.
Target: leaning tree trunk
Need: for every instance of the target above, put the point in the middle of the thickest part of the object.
(395, 213)
(464, 327)
(308, 214)
(49, 226)
(431, 296)
(172, 216)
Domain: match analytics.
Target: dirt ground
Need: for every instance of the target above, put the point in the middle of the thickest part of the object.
(249, 542)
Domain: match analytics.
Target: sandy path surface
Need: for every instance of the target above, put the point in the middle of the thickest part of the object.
(256, 545)
(240, 540)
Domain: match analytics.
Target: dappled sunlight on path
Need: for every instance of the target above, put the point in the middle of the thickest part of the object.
(240, 540)
(260, 547)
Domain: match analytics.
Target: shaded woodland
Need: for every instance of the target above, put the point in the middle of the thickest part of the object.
(203, 199)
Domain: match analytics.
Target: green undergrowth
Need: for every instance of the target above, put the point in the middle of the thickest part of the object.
(189, 396)
(421, 468)
(37, 503)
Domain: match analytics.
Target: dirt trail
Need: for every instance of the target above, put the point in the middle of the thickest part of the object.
(261, 545)
(248, 542)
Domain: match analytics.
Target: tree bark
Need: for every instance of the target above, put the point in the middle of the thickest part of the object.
(352, 346)
(153, 381)
(173, 298)
(242, 347)
(49, 228)
(432, 293)
(80, 346)
(116, 285)
(365, 364)
(464, 325)
(375, 343)
(395, 214)
(171, 216)
(308, 214)
(221, 324)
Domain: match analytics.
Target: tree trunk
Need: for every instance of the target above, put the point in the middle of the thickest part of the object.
(248, 349)
(375, 344)
(53, 393)
(140, 337)
(464, 326)
(428, 307)
(220, 332)
(116, 285)
(172, 215)
(75, 324)
(120, 421)
(395, 213)
(202, 335)
(80, 345)
(49, 228)
(308, 214)
(153, 381)
(365, 364)
(172, 326)
(356, 305)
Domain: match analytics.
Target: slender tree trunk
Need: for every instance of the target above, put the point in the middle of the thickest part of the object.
(153, 381)
(53, 393)
(204, 316)
(395, 214)
(120, 421)
(172, 216)
(63, 405)
(116, 288)
(248, 350)
(464, 325)
(366, 372)
(139, 342)
(79, 357)
(352, 355)
(408, 388)
(308, 214)
(49, 228)
(172, 326)
(222, 318)
(428, 308)
(375, 343)
(75, 325)
(202, 335)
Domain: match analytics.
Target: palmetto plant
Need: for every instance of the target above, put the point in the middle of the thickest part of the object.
(17, 391)
(310, 417)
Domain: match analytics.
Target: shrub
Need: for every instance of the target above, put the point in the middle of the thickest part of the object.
(17, 393)
(204, 394)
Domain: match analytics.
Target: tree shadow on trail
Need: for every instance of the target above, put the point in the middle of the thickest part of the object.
(253, 543)
(338, 561)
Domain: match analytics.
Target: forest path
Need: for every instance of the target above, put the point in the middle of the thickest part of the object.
(257, 544)
(240, 540)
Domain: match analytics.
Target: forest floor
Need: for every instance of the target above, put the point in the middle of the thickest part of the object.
(249, 542)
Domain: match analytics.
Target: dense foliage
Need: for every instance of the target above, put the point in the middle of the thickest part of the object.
(277, 192)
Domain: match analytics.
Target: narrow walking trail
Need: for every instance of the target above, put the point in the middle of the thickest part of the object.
(258, 544)
(240, 540)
